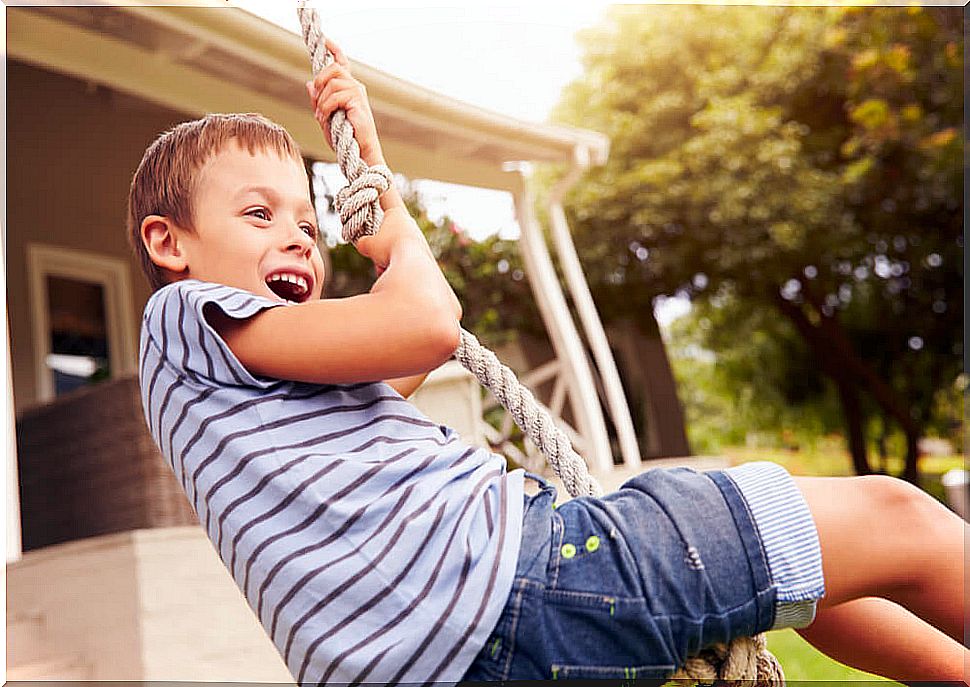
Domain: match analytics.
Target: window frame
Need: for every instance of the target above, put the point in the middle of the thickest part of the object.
(112, 274)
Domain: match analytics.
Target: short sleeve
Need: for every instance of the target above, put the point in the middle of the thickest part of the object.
(176, 326)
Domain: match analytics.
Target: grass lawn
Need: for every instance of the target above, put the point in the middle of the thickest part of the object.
(801, 661)
(833, 461)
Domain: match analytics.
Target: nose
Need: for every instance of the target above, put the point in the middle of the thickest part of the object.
(300, 242)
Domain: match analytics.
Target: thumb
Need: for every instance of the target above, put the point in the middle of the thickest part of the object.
(370, 247)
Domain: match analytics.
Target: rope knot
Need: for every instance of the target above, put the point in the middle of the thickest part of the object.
(358, 203)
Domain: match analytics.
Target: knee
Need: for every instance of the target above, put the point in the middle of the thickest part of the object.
(897, 503)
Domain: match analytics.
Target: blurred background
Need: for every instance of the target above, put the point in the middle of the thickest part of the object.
(765, 204)
(783, 204)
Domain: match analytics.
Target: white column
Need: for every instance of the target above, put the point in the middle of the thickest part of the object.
(12, 513)
(565, 339)
(583, 299)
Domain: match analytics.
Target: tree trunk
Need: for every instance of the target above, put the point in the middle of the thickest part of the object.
(833, 337)
(651, 391)
(837, 359)
(881, 444)
(911, 468)
(855, 428)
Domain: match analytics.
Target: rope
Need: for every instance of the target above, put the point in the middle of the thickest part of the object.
(357, 203)
(360, 212)
(745, 659)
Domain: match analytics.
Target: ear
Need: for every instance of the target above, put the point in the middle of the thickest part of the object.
(161, 239)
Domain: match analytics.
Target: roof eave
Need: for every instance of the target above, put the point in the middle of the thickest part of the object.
(256, 40)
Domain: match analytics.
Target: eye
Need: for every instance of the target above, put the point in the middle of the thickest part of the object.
(309, 230)
(259, 213)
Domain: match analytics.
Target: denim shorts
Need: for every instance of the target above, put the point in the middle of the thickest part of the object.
(631, 584)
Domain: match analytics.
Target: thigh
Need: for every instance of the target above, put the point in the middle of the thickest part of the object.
(868, 527)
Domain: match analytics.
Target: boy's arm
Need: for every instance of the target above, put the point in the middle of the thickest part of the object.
(404, 327)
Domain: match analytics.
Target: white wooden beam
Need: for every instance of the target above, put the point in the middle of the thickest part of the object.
(11, 514)
(589, 317)
(562, 330)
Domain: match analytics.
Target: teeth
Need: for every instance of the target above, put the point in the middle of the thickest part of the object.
(294, 279)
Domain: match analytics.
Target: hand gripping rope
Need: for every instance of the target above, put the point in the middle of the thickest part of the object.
(746, 659)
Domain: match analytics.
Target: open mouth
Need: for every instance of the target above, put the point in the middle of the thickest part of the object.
(289, 286)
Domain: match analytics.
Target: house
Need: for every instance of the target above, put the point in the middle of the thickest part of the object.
(93, 594)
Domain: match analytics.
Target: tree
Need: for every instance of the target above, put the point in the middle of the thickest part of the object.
(805, 159)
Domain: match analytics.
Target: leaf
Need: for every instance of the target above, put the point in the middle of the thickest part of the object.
(870, 114)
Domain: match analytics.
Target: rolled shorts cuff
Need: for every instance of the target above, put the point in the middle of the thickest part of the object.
(789, 538)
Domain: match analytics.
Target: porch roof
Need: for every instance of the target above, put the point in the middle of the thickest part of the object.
(200, 59)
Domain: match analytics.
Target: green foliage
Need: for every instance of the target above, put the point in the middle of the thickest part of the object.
(806, 154)
(760, 386)
(802, 661)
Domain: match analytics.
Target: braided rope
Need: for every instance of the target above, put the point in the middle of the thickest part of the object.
(357, 203)
(360, 212)
(745, 659)
(530, 415)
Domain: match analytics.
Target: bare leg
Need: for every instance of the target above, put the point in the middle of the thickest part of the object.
(881, 637)
(882, 537)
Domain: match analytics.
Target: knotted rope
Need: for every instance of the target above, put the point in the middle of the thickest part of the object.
(745, 659)
(359, 208)
(357, 203)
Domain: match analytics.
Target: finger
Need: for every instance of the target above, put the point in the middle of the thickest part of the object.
(345, 100)
(327, 74)
(337, 52)
(327, 103)
(335, 85)
(338, 101)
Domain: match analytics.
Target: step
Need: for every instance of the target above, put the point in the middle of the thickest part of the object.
(26, 638)
(71, 667)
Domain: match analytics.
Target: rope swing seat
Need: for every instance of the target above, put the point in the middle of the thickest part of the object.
(746, 659)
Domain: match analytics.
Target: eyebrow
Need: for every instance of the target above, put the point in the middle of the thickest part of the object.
(270, 194)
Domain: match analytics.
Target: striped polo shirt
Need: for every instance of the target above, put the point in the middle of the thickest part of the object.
(372, 543)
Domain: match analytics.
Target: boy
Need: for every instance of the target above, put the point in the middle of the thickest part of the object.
(375, 547)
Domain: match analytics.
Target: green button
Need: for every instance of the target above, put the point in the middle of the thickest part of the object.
(592, 543)
(568, 550)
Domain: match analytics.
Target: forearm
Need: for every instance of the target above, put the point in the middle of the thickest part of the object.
(412, 271)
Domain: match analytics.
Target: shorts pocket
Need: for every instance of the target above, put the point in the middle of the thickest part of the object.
(567, 672)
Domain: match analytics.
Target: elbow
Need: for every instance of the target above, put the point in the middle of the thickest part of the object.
(448, 338)
(441, 330)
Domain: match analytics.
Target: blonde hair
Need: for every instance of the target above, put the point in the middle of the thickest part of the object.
(166, 178)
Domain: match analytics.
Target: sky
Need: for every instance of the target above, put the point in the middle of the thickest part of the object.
(512, 58)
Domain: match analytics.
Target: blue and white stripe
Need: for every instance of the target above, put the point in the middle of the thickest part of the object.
(789, 537)
(372, 544)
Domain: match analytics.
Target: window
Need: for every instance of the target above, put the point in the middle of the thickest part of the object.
(83, 331)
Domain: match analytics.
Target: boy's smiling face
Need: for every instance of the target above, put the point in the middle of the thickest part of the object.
(255, 228)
